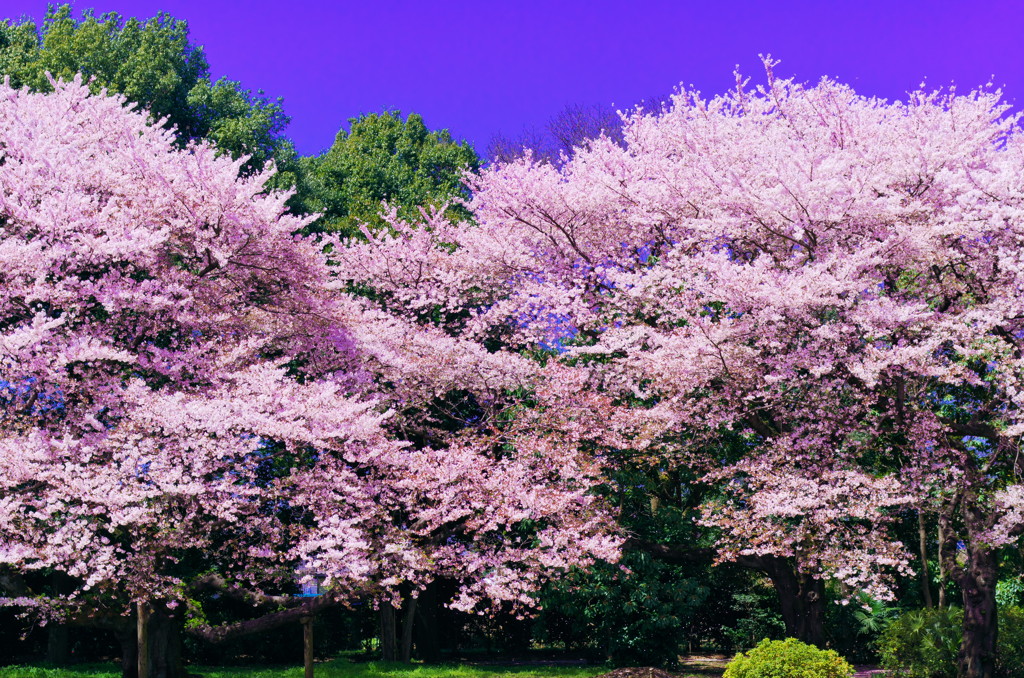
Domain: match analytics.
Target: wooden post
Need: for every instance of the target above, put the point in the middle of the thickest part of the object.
(307, 645)
(143, 633)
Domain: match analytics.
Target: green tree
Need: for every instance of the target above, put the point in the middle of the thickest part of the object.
(153, 63)
(383, 158)
(646, 609)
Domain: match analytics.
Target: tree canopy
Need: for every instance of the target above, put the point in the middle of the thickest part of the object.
(192, 398)
(793, 311)
(832, 280)
(153, 64)
(383, 158)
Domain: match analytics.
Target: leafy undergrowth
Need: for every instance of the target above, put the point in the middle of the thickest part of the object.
(336, 669)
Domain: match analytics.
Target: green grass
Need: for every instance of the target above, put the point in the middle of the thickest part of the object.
(334, 669)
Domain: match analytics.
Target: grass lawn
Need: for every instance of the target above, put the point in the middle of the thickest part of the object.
(692, 667)
(333, 669)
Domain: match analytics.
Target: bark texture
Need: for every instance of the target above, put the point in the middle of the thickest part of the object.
(388, 633)
(977, 581)
(165, 629)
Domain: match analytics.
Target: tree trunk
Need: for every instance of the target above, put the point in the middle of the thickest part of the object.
(428, 636)
(159, 643)
(128, 637)
(407, 626)
(58, 636)
(977, 658)
(142, 620)
(58, 644)
(944, 565)
(388, 633)
(922, 542)
(307, 646)
(801, 599)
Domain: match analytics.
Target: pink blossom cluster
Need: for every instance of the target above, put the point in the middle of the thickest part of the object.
(186, 388)
(835, 279)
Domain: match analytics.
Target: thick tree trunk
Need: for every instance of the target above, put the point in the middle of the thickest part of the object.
(977, 657)
(58, 636)
(58, 644)
(801, 599)
(159, 643)
(388, 633)
(975, 569)
(165, 645)
(812, 597)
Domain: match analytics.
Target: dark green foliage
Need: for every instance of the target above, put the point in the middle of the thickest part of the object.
(925, 643)
(1010, 587)
(788, 659)
(152, 63)
(647, 611)
(922, 643)
(753, 613)
(853, 629)
(1010, 645)
(634, 613)
(641, 611)
(383, 158)
(240, 122)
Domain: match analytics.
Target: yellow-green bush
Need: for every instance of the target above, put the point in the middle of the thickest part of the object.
(788, 659)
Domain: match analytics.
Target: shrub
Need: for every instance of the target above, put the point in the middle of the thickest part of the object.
(853, 629)
(757, 617)
(633, 617)
(788, 659)
(925, 643)
(1010, 643)
(922, 643)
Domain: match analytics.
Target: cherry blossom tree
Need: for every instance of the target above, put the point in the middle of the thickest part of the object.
(832, 279)
(190, 399)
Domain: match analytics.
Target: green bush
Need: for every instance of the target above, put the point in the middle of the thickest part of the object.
(853, 629)
(758, 616)
(1010, 643)
(922, 643)
(788, 659)
(632, 617)
(925, 643)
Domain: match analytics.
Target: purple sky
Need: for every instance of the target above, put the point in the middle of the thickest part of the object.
(482, 67)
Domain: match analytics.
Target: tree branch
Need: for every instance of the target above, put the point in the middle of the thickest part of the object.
(215, 582)
(680, 555)
(14, 584)
(268, 622)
